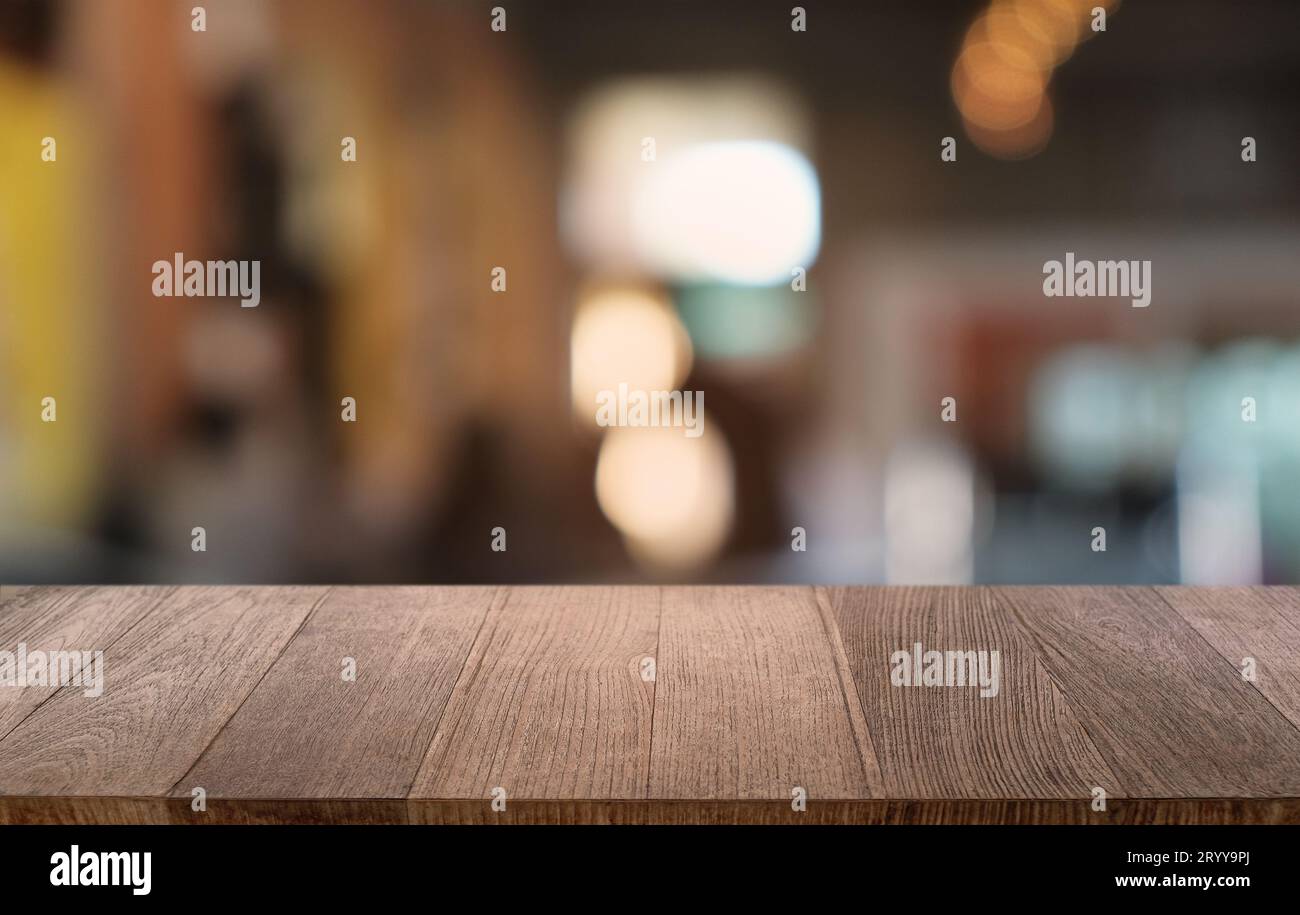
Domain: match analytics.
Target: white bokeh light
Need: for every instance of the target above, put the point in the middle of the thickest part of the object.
(743, 212)
(672, 497)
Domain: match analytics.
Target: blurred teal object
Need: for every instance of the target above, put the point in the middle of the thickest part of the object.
(733, 322)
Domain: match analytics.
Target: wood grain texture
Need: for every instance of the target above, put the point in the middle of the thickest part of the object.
(948, 742)
(758, 690)
(1260, 623)
(65, 810)
(306, 732)
(551, 703)
(73, 810)
(748, 703)
(1162, 707)
(64, 619)
(171, 681)
(866, 812)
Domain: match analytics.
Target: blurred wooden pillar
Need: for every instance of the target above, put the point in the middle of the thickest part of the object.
(131, 59)
(453, 178)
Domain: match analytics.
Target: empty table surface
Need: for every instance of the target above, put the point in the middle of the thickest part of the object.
(642, 704)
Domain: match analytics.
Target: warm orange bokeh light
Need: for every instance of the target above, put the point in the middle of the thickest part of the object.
(1002, 73)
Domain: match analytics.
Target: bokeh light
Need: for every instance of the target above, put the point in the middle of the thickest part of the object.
(929, 515)
(1001, 77)
(625, 334)
(742, 212)
(669, 495)
(746, 323)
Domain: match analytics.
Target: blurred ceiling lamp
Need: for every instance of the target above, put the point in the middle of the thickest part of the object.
(1016, 29)
(1003, 104)
(625, 334)
(999, 88)
(692, 179)
(1000, 79)
(672, 497)
(1023, 141)
(743, 212)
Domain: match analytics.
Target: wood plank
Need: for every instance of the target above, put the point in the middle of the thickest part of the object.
(758, 690)
(49, 619)
(171, 681)
(749, 703)
(551, 703)
(306, 732)
(948, 742)
(1260, 623)
(881, 811)
(1160, 704)
(54, 810)
(869, 812)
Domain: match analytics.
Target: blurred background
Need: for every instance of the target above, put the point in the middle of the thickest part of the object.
(683, 195)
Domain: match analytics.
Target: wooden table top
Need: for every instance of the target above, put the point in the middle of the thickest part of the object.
(653, 704)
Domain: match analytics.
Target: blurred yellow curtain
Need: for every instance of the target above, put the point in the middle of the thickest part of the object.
(46, 336)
